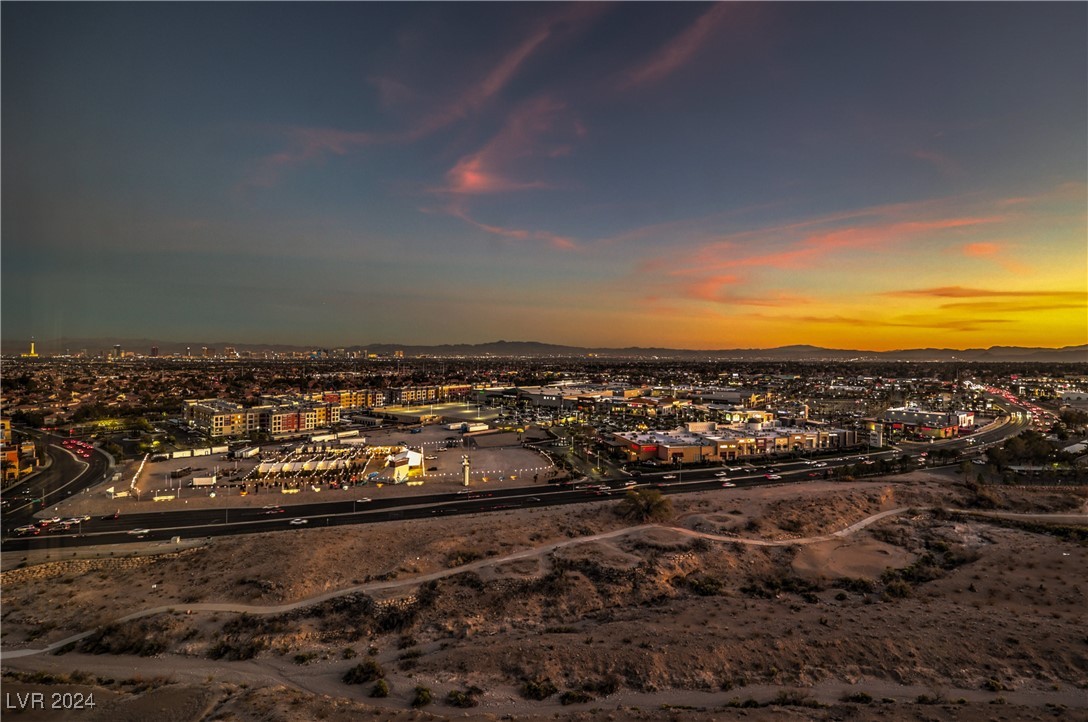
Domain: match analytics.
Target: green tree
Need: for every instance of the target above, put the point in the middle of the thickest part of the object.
(643, 505)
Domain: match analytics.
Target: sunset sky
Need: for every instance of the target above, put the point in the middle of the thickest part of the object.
(705, 176)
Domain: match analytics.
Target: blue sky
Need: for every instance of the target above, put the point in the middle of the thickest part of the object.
(865, 175)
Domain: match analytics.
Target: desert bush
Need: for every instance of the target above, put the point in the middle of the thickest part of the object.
(604, 687)
(574, 696)
(237, 649)
(143, 639)
(897, 589)
(463, 698)
(705, 586)
(538, 689)
(857, 698)
(856, 585)
(794, 698)
(380, 689)
(397, 618)
(368, 671)
(421, 697)
(462, 557)
(643, 505)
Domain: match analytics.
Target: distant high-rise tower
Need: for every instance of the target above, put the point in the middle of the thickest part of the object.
(154, 351)
(32, 353)
(117, 350)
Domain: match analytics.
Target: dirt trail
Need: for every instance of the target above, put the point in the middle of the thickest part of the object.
(535, 552)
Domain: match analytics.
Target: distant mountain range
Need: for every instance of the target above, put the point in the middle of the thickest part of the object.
(1067, 354)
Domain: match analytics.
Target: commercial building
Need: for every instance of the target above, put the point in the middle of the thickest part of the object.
(217, 417)
(710, 442)
(934, 424)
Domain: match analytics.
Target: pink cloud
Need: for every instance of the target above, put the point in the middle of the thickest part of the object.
(729, 253)
(307, 145)
(485, 171)
(977, 250)
(312, 144)
(680, 50)
(563, 243)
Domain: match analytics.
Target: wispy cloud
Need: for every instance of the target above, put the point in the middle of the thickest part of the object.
(993, 300)
(522, 137)
(941, 162)
(920, 321)
(563, 243)
(539, 128)
(967, 292)
(680, 50)
(308, 145)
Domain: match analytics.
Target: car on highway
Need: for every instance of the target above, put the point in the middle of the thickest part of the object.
(299, 522)
(274, 510)
(669, 476)
(728, 484)
(630, 482)
(138, 532)
(364, 500)
(114, 515)
(773, 476)
(722, 474)
(28, 530)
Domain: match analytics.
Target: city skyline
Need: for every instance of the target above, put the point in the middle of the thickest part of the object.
(703, 176)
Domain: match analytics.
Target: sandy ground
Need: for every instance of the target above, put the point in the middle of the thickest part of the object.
(749, 597)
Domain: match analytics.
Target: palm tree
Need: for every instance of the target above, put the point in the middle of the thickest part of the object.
(645, 505)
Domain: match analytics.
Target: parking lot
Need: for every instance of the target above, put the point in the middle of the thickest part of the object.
(495, 460)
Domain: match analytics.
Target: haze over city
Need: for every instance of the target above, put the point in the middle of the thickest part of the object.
(852, 175)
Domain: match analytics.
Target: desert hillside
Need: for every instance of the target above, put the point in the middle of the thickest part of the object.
(816, 601)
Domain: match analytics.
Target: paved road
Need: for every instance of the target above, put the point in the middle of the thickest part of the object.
(162, 526)
(65, 475)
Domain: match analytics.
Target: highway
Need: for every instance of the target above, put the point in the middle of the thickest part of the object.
(353, 509)
(66, 475)
(161, 526)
